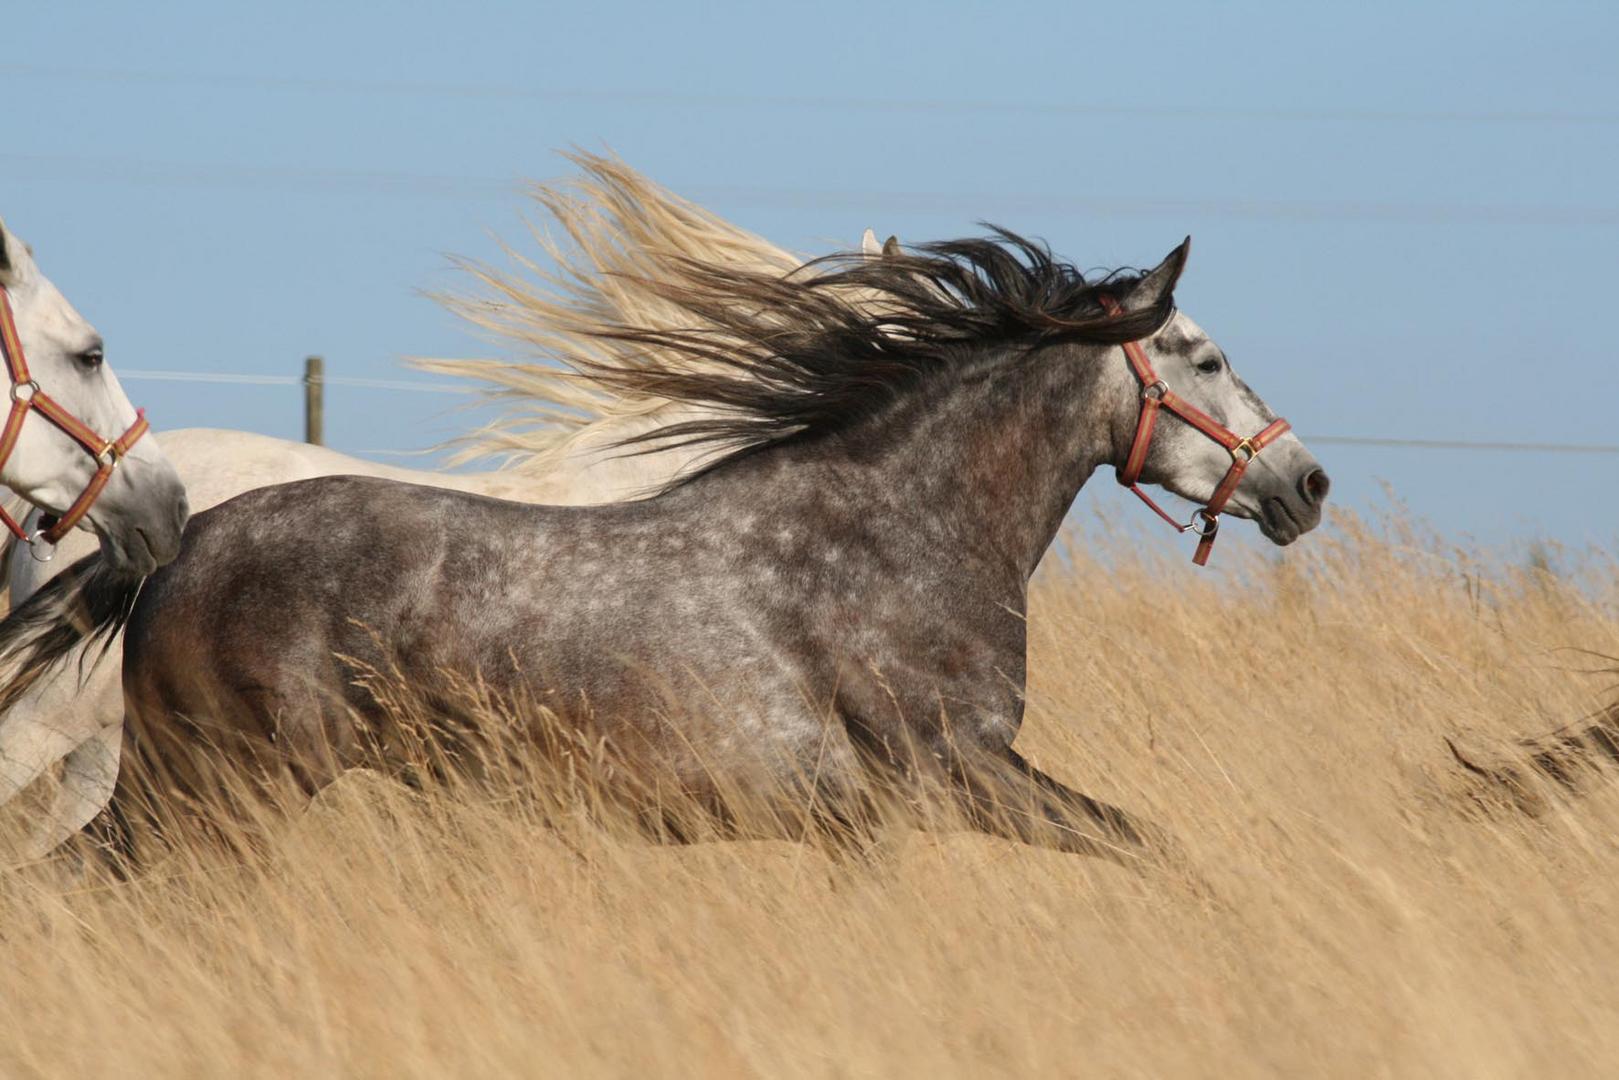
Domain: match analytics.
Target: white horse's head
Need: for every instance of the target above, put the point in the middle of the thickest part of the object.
(142, 510)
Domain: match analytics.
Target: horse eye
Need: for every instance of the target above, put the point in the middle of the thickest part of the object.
(92, 357)
(1209, 367)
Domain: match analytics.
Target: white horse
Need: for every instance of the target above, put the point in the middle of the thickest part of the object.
(72, 443)
(557, 438)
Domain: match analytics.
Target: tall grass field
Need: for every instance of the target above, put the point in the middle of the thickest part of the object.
(1359, 904)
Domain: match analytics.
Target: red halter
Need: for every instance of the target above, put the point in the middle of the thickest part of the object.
(26, 396)
(1155, 395)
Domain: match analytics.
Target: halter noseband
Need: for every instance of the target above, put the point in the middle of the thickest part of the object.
(26, 396)
(1156, 395)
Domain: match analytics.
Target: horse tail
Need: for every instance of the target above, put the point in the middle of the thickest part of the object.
(1574, 758)
(88, 602)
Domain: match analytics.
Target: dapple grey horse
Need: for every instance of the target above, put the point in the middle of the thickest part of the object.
(623, 228)
(837, 598)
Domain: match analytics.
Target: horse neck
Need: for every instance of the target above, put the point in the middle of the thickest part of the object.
(985, 461)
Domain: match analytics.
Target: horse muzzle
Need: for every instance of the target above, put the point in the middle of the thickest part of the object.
(140, 521)
(1291, 508)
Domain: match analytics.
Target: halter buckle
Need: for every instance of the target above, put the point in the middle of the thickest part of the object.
(21, 398)
(1244, 452)
(1154, 391)
(108, 456)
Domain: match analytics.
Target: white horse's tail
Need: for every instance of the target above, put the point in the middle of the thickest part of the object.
(89, 602)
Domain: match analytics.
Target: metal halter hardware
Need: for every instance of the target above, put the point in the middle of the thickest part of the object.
(1156, 395)
(106, 452)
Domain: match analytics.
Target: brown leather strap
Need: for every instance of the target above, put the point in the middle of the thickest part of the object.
(80, 507)
(1201, 420)
(1145, 423)
(114, 453)
(1241, 455)
(26, 397)
(13, 428)
(1157, 396)
(1205, 540)
(74, 428)
(10, 343)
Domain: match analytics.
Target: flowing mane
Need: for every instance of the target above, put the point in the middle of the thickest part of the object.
(649, 321)
(613, 235)
(764, 358)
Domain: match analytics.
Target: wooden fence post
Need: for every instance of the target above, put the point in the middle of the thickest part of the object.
(314, 400)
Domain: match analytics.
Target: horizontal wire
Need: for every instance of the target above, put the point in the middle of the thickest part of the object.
(139, 375)
(112, 170)
(667, 98)
(124, 172)
(1467, 444)
(448, 388)
(396, 384)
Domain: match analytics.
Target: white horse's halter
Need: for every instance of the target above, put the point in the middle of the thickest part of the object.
(26, 397)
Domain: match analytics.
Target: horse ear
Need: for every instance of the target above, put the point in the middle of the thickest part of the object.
(869, 245)
(891, 246)
(6, 241)
(1159, 283)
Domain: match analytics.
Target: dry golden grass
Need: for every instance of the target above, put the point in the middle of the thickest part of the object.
(1367, 914)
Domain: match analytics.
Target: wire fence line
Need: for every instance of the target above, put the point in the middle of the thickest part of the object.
(139, 375)
(1469, 444)
(129, 171)
(408, 386)
(676, 99)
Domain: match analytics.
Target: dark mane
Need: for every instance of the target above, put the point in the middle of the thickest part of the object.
(799, 356)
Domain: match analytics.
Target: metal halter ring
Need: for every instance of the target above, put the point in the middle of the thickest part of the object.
(1211, 524)
(38, 542)
(1148, 392)
(33, 390)
(1245, 451)
(108, 456)
(1207, 527)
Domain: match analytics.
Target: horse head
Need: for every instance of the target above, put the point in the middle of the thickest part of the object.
(72, 443)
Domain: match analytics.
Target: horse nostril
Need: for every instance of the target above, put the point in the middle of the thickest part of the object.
(1314, 486)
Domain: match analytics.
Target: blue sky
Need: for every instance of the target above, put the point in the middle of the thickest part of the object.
(1402, 214)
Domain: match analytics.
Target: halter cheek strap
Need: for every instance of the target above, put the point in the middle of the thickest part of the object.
(1155, 396)
(26, 397)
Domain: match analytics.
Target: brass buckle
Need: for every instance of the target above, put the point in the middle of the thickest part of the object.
(1244, 452)
(108, 456)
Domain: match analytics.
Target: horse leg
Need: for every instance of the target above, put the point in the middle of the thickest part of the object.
(111, 833)
(89, 774)
(1003, 795)
(53, 719)
(45, 725)
(30, 743)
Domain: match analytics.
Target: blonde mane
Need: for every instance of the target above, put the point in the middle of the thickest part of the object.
(612, 237)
